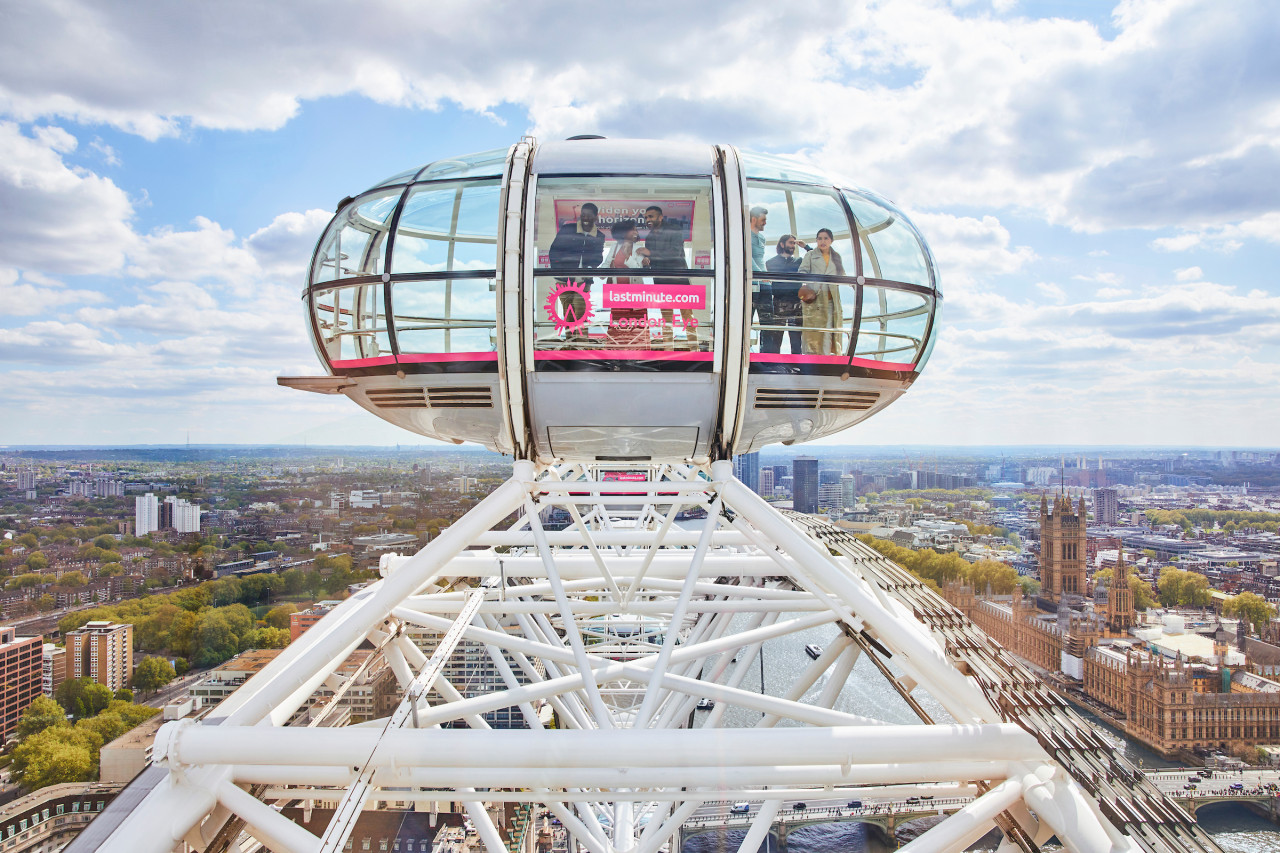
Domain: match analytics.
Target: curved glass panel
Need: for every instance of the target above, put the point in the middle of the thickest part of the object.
(356, 241)
(400, 178)
(805, 318)
(655, 233)
(450, 227)
(445, 315)
(800, 212)
(890, 248)
(352, 322)
(772, 168)
(893, 325)
(480, 164)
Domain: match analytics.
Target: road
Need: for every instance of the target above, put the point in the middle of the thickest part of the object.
(1217, 783)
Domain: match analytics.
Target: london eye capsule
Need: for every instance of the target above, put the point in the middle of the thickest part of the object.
(620, 300)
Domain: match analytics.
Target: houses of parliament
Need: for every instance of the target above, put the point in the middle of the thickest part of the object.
(1142, 673)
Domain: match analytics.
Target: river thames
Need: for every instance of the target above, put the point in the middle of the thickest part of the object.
(1233, 827)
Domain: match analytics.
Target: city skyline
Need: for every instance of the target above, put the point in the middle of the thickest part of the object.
(1092, 179)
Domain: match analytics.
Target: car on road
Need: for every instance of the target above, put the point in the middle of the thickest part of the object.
(854, 804)
(741, 808)
(1194, 779)
(799, 807)
(1236, 786)
(911, 801)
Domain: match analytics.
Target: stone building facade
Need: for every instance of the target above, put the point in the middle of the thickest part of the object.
(1173, 706)
(1063, 548)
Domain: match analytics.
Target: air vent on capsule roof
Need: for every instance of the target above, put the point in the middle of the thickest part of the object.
(583, 136)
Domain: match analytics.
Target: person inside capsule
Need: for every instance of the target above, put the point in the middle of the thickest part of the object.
(664, 249)
(786, 297)
(628, 327)
(821, 299)
(577, 244)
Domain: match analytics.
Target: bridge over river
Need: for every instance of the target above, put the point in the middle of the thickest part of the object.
(1192, 788)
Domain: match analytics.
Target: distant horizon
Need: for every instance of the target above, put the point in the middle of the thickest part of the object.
(801, 449)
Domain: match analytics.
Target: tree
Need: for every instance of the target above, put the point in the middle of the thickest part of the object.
(28, 540)
(124, 694)
(180, 666)
(1250, 607)
(24, 582)
(72, 579)
(106, 542)
(82, 697)
(107, 725)
(293, 581)
(1180, 587)
(41, 714)
(54, 756)
(1143, 597)
(37, 562)
(278, 617)
(215, 641)
(314, 582)
(152, 673)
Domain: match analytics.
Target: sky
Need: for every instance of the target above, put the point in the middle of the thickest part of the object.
(1098, 181)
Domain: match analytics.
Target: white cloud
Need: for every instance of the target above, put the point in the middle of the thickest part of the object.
(55, 218)
(971, 250)
(1189, 274)
(109, 155)
(284, 247)
(31, 294)
(1224, 238)
(931, 104)
(1052, 291)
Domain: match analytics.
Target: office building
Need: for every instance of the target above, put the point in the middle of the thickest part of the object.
(146, 514)
(1106, 509)
(22, 665)
(102, 651)
(804, 484)
(848, 491)
(829, 496)
(54, 669)
(766, 481)
(746, 467)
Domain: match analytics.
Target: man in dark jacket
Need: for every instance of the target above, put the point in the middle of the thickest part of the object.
(786, 297)
(581, 245)
(664, 249)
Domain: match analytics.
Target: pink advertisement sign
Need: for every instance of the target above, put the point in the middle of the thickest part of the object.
(691, 296)
(676, 214)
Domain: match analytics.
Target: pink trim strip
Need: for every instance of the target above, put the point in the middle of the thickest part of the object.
(363, 362)
(626, 355)
(780, 358)
(418, 357)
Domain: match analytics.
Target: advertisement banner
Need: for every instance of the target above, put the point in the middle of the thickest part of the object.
(676, 214)
(690, 296)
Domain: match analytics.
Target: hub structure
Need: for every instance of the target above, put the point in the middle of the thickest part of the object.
(614, 314)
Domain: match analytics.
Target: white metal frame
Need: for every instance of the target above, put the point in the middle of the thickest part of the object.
(624, 770)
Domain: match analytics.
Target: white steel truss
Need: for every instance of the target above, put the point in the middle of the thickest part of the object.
(607, 634)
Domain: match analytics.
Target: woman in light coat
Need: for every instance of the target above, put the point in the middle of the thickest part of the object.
(821, 300)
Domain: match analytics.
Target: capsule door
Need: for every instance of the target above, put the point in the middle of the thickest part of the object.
(623, 301)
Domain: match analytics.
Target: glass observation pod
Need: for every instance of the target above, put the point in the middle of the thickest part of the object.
(620, 301)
